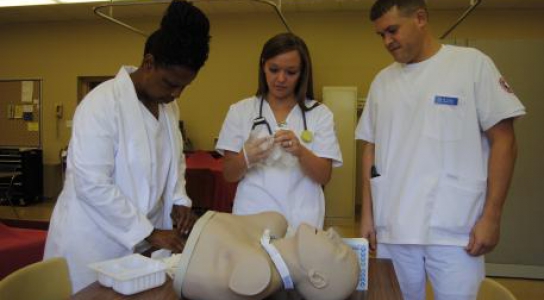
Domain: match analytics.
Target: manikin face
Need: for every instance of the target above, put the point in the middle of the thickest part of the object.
(282, 74)
(331, 266)
(402, 35)
(164, 84)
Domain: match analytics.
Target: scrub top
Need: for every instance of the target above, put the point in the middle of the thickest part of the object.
(283, 188)
(427, 121)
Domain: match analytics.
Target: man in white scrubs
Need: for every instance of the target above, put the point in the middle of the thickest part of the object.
(125, 175)
(439, 155)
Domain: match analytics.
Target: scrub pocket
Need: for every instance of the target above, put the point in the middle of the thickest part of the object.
(444, 117)
(378, 191)
(457, 204)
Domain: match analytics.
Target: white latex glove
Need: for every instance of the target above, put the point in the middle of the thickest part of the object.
(257, 148)
(280, 157)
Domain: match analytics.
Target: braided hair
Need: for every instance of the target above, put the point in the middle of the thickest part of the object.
(182, 39)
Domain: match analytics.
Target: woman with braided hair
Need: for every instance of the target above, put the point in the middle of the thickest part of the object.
(124, 189)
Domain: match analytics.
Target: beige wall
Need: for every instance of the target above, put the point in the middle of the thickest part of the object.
(344, 49)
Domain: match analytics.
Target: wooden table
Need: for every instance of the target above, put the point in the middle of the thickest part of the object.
(383, 285)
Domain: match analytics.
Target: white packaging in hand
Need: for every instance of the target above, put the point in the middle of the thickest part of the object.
(278, 156)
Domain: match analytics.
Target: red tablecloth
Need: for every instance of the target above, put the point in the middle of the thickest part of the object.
(205, 183)
(19, 247)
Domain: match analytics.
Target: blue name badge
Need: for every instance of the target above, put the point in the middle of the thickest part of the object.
(444, 100)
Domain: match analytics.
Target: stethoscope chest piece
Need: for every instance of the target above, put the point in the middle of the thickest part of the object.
(307, 136)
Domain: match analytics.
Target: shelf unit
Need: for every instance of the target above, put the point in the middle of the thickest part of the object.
(28, 186)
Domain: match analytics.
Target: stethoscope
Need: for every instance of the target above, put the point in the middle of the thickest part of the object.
(307, 136)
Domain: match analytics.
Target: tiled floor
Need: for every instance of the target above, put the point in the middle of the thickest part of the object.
(523, 289)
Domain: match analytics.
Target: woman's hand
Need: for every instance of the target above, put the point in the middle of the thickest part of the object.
(289, 142)
(317, 168)
(183, 218)
(256, 150)
(166, 239)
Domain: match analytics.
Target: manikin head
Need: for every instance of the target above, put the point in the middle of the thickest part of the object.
(227, 261)
(327, 268)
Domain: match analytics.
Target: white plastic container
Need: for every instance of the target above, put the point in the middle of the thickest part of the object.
(360, 246)
(130, 274)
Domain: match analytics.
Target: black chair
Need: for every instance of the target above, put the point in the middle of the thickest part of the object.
(11, 176)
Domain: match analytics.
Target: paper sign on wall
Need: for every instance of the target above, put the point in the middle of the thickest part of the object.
(27, 89)
(11, 111)
(18, 112)
(33, 126)
(28, 108)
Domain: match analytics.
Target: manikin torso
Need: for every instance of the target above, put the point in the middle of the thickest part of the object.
(229, 246)
(224, 260)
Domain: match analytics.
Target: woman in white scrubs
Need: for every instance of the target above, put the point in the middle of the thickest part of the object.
(280, 144)
(125, 182)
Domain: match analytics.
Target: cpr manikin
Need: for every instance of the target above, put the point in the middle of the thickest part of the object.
(228, 257)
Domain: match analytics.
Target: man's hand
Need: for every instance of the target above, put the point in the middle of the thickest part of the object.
(166, 239)
(184, 219)
(484, 236)
(368, 232)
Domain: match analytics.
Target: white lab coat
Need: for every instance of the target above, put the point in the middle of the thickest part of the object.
(105, 207)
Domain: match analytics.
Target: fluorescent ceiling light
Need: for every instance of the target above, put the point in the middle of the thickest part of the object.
(5, 3)
(80, 1)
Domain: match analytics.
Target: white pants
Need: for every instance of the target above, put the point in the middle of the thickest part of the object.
(454, 275)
